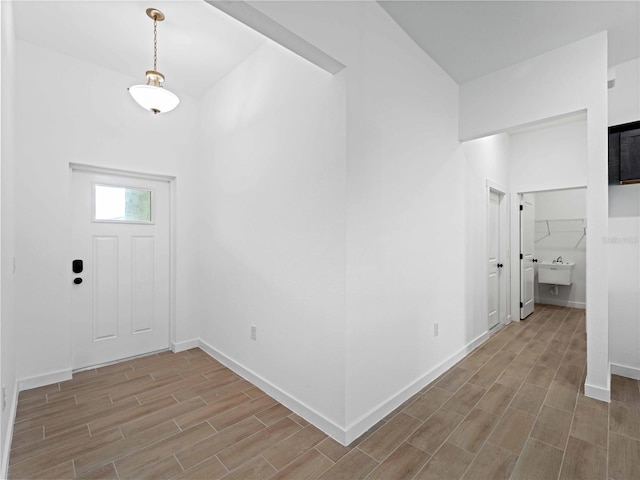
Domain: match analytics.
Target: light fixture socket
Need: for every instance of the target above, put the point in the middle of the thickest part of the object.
(155, 78)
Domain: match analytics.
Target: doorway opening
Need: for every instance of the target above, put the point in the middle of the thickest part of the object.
(561, 237)
(553, 231)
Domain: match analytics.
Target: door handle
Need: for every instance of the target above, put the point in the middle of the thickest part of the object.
(77, 267)
(500, 265)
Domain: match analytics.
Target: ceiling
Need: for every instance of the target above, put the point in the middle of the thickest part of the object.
(470, 39)
(198, 44)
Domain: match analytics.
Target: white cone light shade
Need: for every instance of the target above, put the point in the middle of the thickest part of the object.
(154, 99)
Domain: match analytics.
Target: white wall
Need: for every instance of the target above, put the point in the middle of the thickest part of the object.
(273, 225)
(550, 85)
(319, 216)
(562, 238)
(624, 282)
(405, 261)
(624, 235)
(291, 157)
(83, 114)
(487, 160)
(552, 155)
(407, 256)
(624, 98)
(7, 231)
(565, 81)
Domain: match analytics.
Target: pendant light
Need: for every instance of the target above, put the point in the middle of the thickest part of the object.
(153, 96)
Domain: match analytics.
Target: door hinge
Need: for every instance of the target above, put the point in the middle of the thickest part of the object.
(521, 305)
(521, 207)
(521, 257)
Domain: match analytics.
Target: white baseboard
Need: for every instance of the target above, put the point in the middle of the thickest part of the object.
(177, 347)
(625, 371)
(599, 393)
(344, 435)
(42, 380)
(6, 446)
(308, 413)
(560, 303)
(330, 427)
(366, 421)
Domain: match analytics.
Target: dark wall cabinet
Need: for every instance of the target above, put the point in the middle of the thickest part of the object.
(614, 158)
(624, 153)
(630, 155)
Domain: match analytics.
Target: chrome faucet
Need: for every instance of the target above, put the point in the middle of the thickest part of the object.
(558, 260)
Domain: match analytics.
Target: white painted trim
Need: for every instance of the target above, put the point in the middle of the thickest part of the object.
(177, 347)
(550, 122)
(338, 433)
(560, 303)
(342, 435)
(514, 266)
(171, 180)
(42, 380)
(599, 393)
(625, 371)
(158, 177)
(549, 186)
(487, 216)
(173, 262)
(366, 421)
(317, 419)
(6, 450)
(506, 241)
(496, 186)
(504, 310)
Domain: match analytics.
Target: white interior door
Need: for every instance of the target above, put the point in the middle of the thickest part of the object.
(527, 254)
(120, 299)
(494, 267)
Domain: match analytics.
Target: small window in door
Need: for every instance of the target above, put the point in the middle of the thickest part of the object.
(121, 204)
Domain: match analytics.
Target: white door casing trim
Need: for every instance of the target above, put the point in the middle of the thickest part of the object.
(172, 181)
(81, 167)
(493, 260)
(527, 254)
(505, 250)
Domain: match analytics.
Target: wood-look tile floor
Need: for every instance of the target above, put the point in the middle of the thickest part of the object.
(514, 408)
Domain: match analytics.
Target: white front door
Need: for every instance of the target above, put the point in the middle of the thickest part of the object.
(120, 299)
(527, 254)
(494, 258)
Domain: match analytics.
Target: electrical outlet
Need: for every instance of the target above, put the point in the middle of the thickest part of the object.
(435, 329)
(253, 332)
